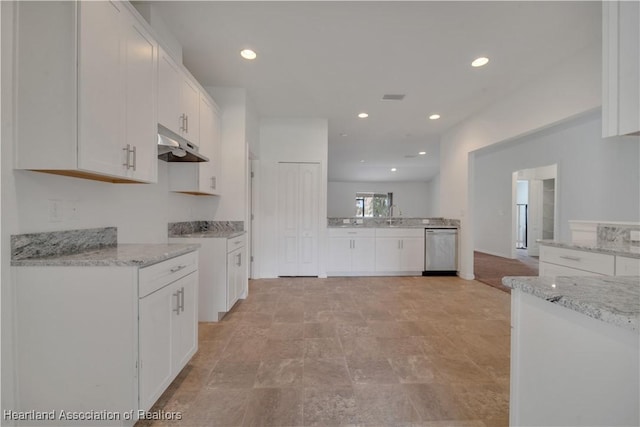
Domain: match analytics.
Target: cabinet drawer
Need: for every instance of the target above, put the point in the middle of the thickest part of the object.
(352, 232)
(236, 242)
(554, 270)
(400, 232)
(159, 275)
(626, 266)
(582, 260)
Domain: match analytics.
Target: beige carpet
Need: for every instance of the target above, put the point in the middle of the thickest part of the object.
(490, 269)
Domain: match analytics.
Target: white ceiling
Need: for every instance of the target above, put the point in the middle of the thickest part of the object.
(335, 59)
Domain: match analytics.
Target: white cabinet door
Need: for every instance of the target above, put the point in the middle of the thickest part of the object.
(241, 278)
(155, 345)
(190, 104)
(388, 254)
(140, 130)
(232, 278)
(621, 68)
(100, 89)
(339, 256)
(169, 80)
(412, 257)
(363, 254)
(553, 270)
(184, 321)
(209, 146)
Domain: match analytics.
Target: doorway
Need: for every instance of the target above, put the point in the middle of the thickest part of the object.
(534, 209)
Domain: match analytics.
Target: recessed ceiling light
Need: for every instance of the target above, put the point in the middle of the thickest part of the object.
(434, 116)
(479, 62)
(422, 153)
(248, 54)
(361, 161)
(363, 115)
(343, 134)
(393, 169)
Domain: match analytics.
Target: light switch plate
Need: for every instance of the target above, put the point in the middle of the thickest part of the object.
(425, 221)
(359, 221)
(345, 221)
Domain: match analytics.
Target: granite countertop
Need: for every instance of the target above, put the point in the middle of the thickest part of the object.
(392, 226)
(226, 234)
(621, 249)
(122, 255)
(614, 300)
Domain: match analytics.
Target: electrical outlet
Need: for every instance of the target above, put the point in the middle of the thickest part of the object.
(359, 221)
(346, 221)
(425, 221)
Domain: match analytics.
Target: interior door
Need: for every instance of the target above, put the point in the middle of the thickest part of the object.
(534, 221)
(298, 194)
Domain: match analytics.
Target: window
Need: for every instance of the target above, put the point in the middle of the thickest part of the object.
(373, 204)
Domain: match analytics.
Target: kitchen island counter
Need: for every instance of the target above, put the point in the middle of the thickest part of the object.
(575, 351)
(611, 299)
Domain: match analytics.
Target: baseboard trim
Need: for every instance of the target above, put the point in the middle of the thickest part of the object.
(493, 253)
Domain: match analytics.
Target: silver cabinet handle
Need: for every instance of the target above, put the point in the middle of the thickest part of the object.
(177, 309)
(181, 303)
(128, 151)
(213, 182)
(126, 156)
(570, 258)
(178, 268)
(239, 260)
(182, 128)
(186, 120)
(354, 244)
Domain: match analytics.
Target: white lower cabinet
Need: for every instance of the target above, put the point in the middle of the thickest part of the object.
(222, 272)
(168, 332)
(102, 339)
(556, 261)
(400, 250)
(375, 251)
(351, 251)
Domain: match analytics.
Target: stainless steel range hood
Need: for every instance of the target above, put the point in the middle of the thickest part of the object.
(173, 148)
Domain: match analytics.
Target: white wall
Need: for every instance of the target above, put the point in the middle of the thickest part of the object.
(596, 178)
(411, 197)
(434, 197)
(286, 140)
(571, 88)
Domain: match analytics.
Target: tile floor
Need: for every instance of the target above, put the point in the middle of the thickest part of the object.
(386, 351)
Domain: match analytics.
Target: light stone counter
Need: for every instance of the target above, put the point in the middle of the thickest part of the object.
(612, 248)
(614, 300)
(140, 255)
(206, 229)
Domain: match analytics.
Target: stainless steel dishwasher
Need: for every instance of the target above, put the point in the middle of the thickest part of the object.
(440, 251)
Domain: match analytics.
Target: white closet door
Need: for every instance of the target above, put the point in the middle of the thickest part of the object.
(298, 193)
(308, 219)
(288, 190)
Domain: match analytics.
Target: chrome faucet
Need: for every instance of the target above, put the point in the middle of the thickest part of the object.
(390, 219)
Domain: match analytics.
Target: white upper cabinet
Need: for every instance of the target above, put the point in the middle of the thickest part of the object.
(620, 68)
(178, 100)
(85, 93)
(201, 178)
(209, 146)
